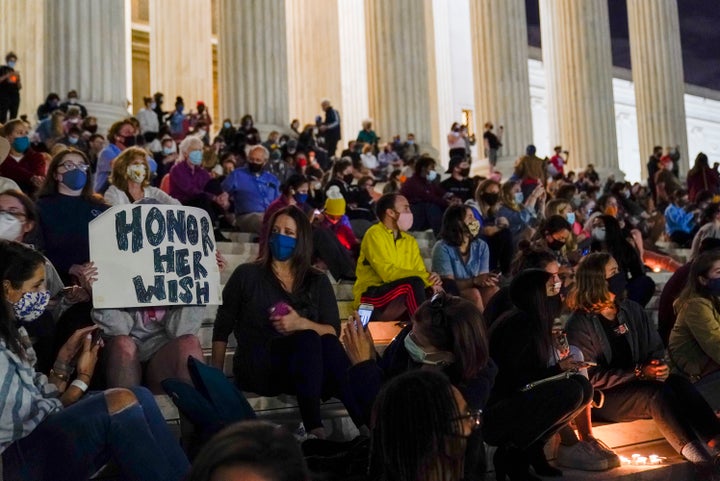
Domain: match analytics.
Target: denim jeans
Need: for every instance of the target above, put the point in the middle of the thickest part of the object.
(76, 442)
(678, 409)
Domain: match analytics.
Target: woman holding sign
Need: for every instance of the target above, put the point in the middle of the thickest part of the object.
(285, 318)
(130, 180)
(49, 428)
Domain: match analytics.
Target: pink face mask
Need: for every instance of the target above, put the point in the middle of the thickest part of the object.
(405, 221)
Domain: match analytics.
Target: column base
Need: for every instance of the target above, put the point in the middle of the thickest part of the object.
(605, 172)
(106, 114)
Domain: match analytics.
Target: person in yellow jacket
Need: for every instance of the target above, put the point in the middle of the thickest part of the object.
(390, 272)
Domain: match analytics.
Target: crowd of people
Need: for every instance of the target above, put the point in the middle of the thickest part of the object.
(523, 321)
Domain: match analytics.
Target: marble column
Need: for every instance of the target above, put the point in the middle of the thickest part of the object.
(500, 74)
(87, 49)
(22, 32)
(181, 52)
(401, 70)
(313, 54)
(577, 57)
(252, 62)
(657, 71)
(353, 67)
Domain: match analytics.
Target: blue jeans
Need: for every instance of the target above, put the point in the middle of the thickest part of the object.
(76, 442)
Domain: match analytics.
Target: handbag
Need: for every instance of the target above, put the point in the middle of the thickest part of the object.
(211, 402)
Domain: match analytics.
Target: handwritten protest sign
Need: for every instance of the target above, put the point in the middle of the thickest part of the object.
(154, 255)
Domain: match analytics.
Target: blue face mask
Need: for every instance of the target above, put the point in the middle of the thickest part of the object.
(281, 246)
(713, 286)
(11, 64)
(519, 198)
(432, 175)
(21, 144)
(75, 179)
(570, 216)
(73, 140)
(300, 198)
(196, 157)
(168, 150)
(227, 125)
(31, 305)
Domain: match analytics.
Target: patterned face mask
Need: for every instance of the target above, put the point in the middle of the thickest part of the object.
(31, 305)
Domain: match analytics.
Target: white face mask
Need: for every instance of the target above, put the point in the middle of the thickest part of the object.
(598, 233)
(136, 173)
(10, 226)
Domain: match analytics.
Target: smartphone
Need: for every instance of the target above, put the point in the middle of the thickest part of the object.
(279, 309)
(365, 311)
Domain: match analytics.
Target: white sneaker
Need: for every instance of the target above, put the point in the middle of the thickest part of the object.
(604, 449)
(582, 456)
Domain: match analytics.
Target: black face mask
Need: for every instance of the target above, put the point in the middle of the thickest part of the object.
(465, 172)
(556, 245)
(254, 168)
(489, 198)
(129, 141)
(348, 178)
(617, 284)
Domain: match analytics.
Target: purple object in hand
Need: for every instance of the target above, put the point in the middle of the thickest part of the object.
(280, 309)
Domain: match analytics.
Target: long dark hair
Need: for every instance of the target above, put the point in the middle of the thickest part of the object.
(530, 257)
(18, 263)
(528, 292)
(618, 246)
(301, 259)
(694, 288)
(456, 325)
(417, 434)
(262, 447)
(50, 187)
(453, 228)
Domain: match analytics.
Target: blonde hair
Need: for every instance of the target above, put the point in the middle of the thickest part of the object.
(118, 175)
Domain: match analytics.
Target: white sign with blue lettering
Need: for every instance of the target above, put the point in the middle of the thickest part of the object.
(154, 255)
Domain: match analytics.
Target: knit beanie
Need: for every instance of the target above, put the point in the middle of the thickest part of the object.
(335, 203)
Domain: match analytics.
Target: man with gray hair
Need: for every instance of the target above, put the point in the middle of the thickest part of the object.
(252, 189)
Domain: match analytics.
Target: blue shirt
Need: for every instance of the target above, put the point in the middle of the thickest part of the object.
(250, 192)
(676, 219)
(104, 166)
(446, 260)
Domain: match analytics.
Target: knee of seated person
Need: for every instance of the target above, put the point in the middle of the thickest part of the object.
(119, 399)
(416, 282)
(123, 346)
(189, 344)
(307, 337)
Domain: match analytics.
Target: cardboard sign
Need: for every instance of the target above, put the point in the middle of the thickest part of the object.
(154, 255)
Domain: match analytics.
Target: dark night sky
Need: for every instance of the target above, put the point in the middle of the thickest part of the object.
(699, 35)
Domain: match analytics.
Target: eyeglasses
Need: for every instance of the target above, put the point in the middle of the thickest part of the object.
(475, 417)
(68, 166)
(17, 215)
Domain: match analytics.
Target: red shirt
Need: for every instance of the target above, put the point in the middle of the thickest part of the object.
(21, 171)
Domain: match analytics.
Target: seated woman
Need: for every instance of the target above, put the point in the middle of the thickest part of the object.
(608, 237)
(18, 219)
(461, 258)
(427, 199)
(421, 429)
(294, 191)
(528, 257)
(694, 345)
(494, 229)
(520, 214)
(285, 318)
(446, 333)
(631, 378)
(538, 389)
(130, 180)
(50, 430)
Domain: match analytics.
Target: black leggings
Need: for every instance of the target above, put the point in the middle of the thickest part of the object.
(501, 250)
(535, 415)
(678, 409)
(312, 367)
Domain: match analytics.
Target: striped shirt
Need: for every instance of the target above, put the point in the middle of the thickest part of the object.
(26, 397)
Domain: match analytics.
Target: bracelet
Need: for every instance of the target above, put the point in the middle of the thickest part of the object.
(60, 375)
(80, 385)
(63, 366)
